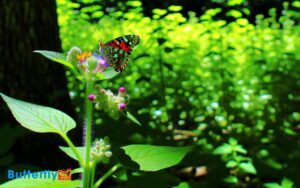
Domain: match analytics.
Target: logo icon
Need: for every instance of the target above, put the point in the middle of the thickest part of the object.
(65, 174)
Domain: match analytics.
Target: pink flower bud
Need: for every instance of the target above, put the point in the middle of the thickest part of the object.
(92, 97)
(122, 89)
(122, 106)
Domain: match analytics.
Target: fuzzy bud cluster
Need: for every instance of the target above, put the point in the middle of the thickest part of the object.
(100, 150)
(72, 55)
(86, 62)
(107, 101)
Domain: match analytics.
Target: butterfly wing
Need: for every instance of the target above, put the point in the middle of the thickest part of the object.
(117, 51)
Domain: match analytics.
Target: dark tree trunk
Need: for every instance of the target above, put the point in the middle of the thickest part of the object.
(25, 26)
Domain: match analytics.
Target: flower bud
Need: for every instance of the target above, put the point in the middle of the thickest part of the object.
(122, 106)
(122, 91)
(111, 103)
(92, 63)
(102, 91)
(108, 154)
(100, 151)
(92, 97)
(72, 55)
(98, 106)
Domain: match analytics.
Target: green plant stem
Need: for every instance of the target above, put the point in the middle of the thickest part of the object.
(70, 143)
(106, 175)
(88, 130)
(93, 172)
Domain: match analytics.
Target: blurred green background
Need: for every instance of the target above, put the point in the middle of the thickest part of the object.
(223, 76)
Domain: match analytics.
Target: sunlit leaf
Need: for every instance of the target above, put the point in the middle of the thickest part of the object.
(183, 185)
(232, 141)
(153, 158)
(234, 13)
(296, 4)
(240, 149)
(223, 149)
(134, 3)
(231, 179)
(242, 21)
(274, 164)
(55, 56)
(272, 185)
(235, 2)
(231, 164)
(92, 8)
(175, 8)
(39, 118)
(97, 14)
(286, 183)
(248, 167)
(77, 170)
(107, 74)
(159, 12)
(70, 153)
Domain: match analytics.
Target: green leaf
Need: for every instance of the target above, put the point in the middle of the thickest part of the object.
(242, 22)
(175, 8)
(231, 164)
(223, 149)
(240, 149)
(159, 12)
(232, 141)
(70, 153)
(263, 153)
(121, 175)
(97, 14)
(40, 183)
(234, 13)
(77, 170)
(272, 185)
(183, 185)
(134, 3)
(154, 158)
(235, 2)
(132, 118)
(296, 4)
(107, 74)
(91, 8)
(231, 179)
(248, 167)
(286, 183)
(274, 164)
(39, 118)
(55, 56)
(290, 131)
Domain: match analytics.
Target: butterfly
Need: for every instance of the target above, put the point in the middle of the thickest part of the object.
(117, 51)
(65, 174)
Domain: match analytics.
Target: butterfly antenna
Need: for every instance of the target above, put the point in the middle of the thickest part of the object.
(101, 46)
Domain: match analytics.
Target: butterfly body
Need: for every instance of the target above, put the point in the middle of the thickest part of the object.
(117, 51)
